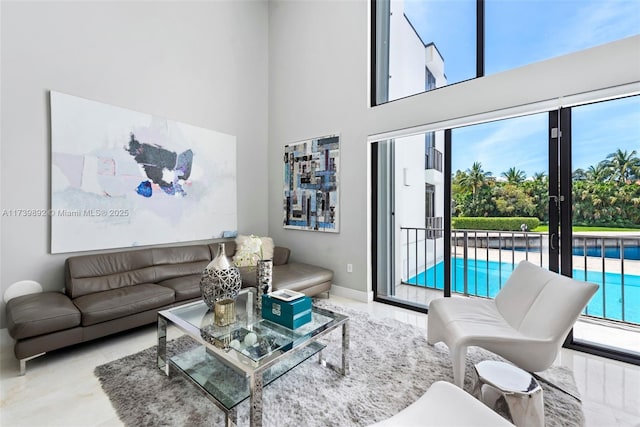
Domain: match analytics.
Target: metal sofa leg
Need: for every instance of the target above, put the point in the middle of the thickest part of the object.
(23, 363)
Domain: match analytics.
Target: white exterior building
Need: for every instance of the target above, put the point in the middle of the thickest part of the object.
(413, 67)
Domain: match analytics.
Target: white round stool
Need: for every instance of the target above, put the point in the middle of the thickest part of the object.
(521, 392)
(23, 287)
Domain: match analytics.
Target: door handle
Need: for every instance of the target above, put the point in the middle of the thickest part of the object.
(553, 241)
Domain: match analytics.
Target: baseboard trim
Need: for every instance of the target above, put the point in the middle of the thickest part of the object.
(341, 291)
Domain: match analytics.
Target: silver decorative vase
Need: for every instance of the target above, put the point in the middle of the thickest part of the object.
(264, 277)
(220, 279)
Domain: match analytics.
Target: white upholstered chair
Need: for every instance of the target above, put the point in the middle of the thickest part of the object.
(445, 405)
(526, 323)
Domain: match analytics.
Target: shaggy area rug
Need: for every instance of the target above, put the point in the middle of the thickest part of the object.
(391, 366)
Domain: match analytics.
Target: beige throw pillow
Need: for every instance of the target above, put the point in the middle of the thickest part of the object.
(248, 250)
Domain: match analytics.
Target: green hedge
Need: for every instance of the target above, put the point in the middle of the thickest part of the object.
(492, 223)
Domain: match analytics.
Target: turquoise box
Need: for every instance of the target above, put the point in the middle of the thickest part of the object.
(290, 314)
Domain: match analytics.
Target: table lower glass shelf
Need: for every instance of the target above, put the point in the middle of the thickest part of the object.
(224, 383)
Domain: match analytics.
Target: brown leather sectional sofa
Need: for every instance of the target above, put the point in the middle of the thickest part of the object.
(107, 293)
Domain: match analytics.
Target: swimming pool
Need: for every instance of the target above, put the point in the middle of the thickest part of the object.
(630, 252)
(486, 278)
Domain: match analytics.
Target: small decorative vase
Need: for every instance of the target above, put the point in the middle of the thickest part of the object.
(224, 312)
(264, 274)
(220, 280)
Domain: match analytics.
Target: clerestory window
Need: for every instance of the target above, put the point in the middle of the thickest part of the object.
(460, 40)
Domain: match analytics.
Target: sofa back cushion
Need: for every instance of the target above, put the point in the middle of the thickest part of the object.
(169, 263)
(87, 274)
(281, 255)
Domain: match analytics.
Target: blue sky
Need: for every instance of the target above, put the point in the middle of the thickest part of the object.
(597, 130)
(520, 32)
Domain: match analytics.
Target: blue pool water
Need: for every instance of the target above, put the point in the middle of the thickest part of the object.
(486, 278)
(630, 252)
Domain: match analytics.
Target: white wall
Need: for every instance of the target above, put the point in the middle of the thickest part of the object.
(318, 82)
(202, 63)
(317, 86)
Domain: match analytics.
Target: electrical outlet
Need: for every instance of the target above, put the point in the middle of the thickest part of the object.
(349, 268)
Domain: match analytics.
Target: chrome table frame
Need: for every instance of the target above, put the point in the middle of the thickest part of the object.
(253, 370)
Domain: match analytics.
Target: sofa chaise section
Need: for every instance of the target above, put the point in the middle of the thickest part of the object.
(309, 279)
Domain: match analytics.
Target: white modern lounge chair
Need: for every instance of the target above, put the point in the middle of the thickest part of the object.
(526, 323)
(445, 405)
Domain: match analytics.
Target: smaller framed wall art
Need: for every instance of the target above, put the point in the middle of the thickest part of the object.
(311, 184)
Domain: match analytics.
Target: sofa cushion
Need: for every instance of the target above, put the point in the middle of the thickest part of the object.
(295, 276)
(87, 274)
(176, 271)
(39, 314)
(281, 255)
(187, 287)
(178, 261)
(298, 276)
(115, 303)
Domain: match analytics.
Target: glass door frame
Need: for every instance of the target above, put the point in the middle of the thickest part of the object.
(561, 212)
(383, 263)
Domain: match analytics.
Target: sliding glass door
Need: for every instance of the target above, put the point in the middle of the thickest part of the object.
(409, 213)
(605, 220)
(499, 196)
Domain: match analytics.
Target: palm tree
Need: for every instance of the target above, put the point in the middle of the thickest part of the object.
(475, 178)
(539, 190)
(599, 173)
(539, 177)
(624, 166)
(514, 176)
(579, 175)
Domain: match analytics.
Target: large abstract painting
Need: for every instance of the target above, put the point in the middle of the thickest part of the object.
(120, 178)
(311, 184)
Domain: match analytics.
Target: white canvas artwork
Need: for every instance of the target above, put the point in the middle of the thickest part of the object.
(120, 178)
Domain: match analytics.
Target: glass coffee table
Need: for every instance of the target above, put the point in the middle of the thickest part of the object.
(235, 362)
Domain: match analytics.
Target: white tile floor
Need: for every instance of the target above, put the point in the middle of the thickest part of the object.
(61, 390)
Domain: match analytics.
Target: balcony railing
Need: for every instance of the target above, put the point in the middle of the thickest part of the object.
(482, 261)
(433, 159)
(433, 229)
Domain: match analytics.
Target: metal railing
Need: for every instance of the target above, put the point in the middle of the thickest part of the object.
(613, 262)
(433, 159)
(482, 261)
(434, 228)
(474, 252)
(421, 251)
